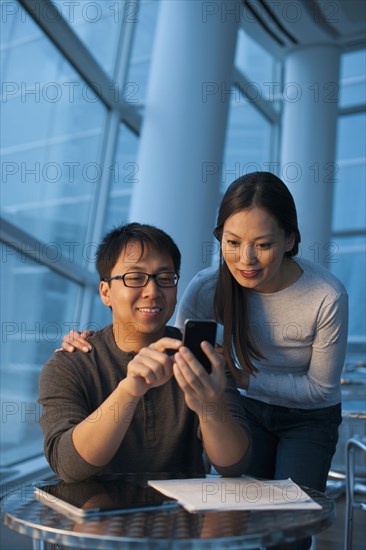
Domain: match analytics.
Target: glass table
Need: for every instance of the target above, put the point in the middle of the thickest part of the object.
(173, 529)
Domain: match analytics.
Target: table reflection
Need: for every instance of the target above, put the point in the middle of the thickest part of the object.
(173, 528)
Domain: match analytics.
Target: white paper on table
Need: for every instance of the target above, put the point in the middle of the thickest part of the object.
(235, 493)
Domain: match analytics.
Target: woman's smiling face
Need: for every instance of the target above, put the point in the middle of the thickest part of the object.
(254, 246)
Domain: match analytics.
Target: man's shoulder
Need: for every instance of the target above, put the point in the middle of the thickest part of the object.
(103, 337)
(100, 340)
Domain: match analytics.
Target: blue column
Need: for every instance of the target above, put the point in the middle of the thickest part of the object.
(308, 142)
(183, 134)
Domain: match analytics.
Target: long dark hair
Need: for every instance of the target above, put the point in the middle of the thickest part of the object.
(265, 190)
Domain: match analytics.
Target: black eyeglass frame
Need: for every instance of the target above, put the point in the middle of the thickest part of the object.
(176, 278)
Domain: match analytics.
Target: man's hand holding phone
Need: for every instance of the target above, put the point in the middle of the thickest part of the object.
(199, 367)
(197, 331)
(151, 367)
(200, 384)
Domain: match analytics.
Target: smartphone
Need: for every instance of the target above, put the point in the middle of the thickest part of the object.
(195, 332)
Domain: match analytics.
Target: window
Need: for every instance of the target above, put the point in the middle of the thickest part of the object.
(51, 148)
(353, 79)
(124, 173)
(68, 168)
(349, 216)
(98, 25)
(350, 193)
(260, 68)
(38, 306)
(253, 120)
(141, 52)
(248, 140)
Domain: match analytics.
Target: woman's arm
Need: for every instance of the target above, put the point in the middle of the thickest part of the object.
(197, 301)
(322, 379)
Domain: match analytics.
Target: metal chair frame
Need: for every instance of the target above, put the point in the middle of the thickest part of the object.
(354, 444)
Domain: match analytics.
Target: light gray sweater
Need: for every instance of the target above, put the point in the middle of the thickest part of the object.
(301, 331)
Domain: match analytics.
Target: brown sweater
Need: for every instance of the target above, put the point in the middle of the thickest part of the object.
(163, 435)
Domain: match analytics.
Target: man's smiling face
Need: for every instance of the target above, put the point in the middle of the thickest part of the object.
(139, 314)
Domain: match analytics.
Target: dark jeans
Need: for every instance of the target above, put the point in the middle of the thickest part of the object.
(295, 443)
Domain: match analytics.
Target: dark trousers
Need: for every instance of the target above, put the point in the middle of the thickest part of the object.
(295, 443)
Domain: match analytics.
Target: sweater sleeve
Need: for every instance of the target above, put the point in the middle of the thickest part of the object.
(64, 406)
(237, 412)
(197, 301)
(321, 381)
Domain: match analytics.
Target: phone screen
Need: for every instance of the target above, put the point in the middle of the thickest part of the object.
(195, 332)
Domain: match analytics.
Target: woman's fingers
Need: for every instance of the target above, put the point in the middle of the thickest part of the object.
(77, 340)
(219, 350)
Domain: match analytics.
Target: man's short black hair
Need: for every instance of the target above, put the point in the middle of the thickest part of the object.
(147, 236)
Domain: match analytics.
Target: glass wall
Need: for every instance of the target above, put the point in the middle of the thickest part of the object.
(138, 72)
(98, 24)
(252, 128)
(248, 140)
(124, 172)
(253, 118)
(68, 168)
(69, 164)
(52, 145)
(38, 306)
(349, 214)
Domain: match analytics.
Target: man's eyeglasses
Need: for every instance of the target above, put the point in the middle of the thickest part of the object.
(137, 279)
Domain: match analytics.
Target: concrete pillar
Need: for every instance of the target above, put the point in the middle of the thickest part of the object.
(183, 134)
(308, 142)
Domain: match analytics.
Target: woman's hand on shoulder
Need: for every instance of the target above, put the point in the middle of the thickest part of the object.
(76, 340)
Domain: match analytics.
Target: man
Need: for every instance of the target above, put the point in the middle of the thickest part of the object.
(139, 401)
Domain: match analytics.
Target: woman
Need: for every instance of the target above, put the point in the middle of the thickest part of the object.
(284, 331)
